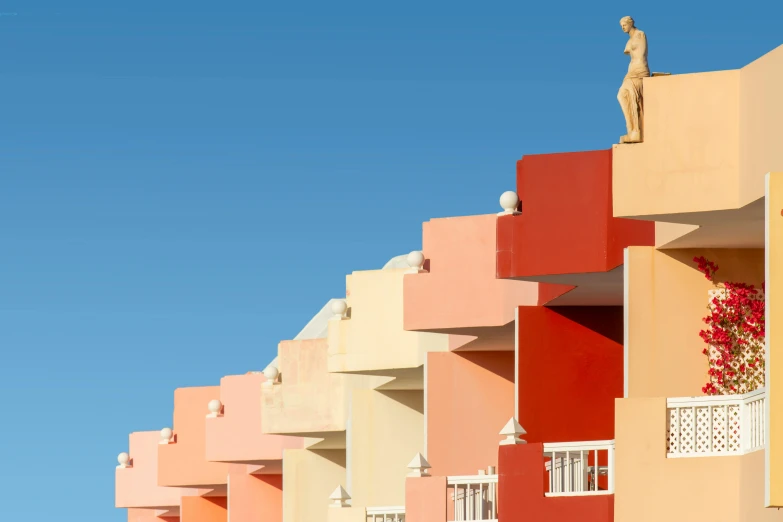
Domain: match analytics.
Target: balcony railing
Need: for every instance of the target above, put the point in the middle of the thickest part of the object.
(475, 497)
(580, 468)
(386, 514)
(715, 426)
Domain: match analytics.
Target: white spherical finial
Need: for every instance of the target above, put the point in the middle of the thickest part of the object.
(214, 407)
(416, 260)
(165, 435)
(509, 202)
(123, 458)
(339, 307)
(271, 373)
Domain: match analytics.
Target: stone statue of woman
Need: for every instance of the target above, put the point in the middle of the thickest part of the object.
(630, 94)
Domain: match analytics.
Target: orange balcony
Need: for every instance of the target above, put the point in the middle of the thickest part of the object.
(234, 433)
(182, 461)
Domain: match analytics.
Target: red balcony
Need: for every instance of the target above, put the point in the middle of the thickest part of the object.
(565, 233)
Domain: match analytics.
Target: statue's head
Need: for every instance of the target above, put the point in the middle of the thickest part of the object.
(626, 23)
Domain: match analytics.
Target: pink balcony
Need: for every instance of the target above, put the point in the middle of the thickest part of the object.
(136, 486)
(459, 293)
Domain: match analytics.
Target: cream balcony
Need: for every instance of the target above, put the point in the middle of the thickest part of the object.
(367, 335)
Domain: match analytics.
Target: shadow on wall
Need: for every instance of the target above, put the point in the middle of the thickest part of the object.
(411, 399)
(608, 323)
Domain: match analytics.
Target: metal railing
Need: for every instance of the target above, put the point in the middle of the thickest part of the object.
(386, 514)
(580, 468)
(475, 497)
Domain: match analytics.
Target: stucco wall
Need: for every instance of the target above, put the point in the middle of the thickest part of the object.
(387, 430)
(254, 498)
(774, 320)
(667, 299)
(570, 371)
(184, 463)
(309, 477)
(650, 487)
(201, 509)
(374, 338)
(470, 397)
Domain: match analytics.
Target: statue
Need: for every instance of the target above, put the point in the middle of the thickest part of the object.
(630, 94)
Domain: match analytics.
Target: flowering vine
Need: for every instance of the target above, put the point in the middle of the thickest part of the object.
(734, 335)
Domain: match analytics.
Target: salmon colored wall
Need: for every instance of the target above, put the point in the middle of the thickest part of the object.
(309, 478)
(566, 225)
(236, 436)
(667, 299)
(650, 487)
(204, 509)
(774, 320)
(374, 338)
(521, 490)
(148, 515)
(184, 463)
(470, 397)
(387, 430)
(254, 498)
(137, 486)
(460, 289)
(425, 499)
(570, 371)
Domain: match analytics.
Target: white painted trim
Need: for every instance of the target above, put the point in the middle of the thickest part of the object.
(516, 363)
(626, 319)
(767, 354)
(424, 453)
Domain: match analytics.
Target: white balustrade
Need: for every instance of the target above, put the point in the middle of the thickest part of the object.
(475, 497)
(574, 468)
(386, 514)
(719, 425)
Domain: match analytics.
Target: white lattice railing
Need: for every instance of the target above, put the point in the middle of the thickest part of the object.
(580, 468)
(475, 497)
(386, 514)
(715, 426)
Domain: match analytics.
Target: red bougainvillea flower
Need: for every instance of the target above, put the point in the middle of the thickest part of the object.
(734, 335)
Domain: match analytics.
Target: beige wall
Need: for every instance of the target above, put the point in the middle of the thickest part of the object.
(667, 299)
(689, 160)
(387, 431)
(774, 318)
(761, 111)
(651, 488)
(373, 338)
(709, 139)
(309, 477)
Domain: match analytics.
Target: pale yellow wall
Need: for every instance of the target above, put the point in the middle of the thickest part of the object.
(774, 320)
(309, 477)
(667, 299)
(761, 111)
(350, 514)
(650, 487)
(689, 160)
(387, 430)
(373, 338)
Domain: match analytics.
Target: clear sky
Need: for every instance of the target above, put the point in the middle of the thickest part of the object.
(183, 184)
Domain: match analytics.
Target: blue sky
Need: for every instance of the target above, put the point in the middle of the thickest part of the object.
(183, 184)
